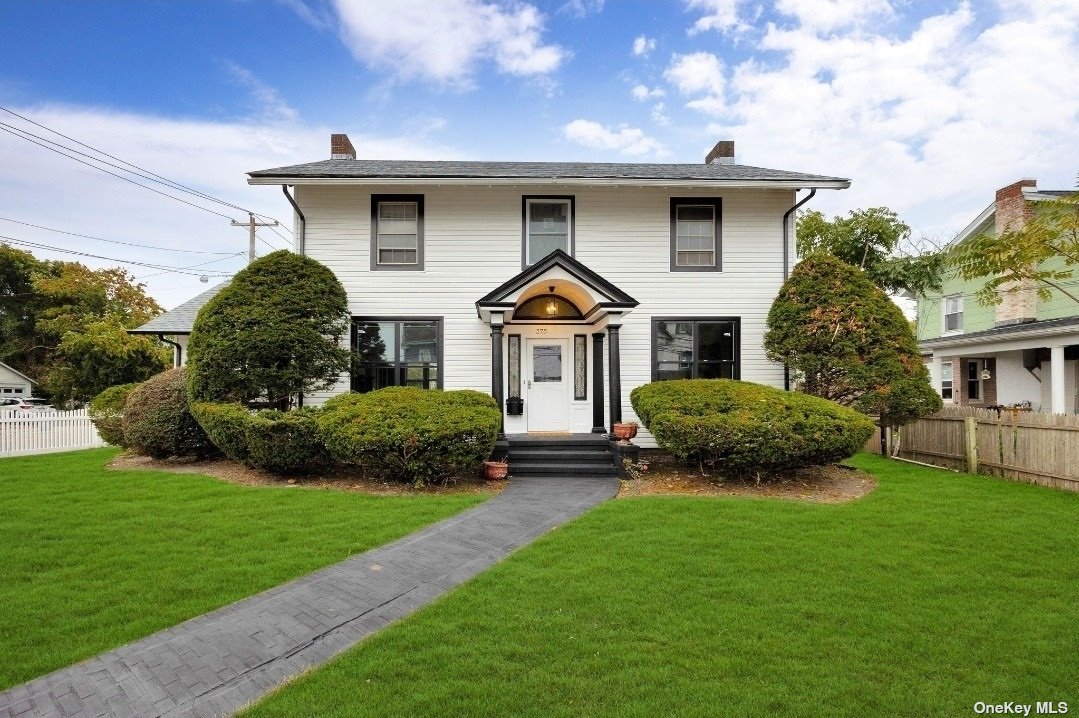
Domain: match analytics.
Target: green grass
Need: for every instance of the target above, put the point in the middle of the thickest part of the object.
(92, 558)
(936, 591)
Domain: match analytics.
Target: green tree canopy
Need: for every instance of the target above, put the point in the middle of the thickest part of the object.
(848, 342)
(1044, 251)
(877, 241)
(273, 333)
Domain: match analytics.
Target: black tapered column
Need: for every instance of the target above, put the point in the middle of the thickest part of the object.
(496, 376)
(597, 384)
(615, 380)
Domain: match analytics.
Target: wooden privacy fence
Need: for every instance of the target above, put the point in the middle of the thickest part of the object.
(25, 433)
(1038, 448)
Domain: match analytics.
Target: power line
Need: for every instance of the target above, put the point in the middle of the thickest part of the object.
(116, 241)
(38, 245)
(147, 174)
(193, 266)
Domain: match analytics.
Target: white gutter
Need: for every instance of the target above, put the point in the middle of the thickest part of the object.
(961, 340)
(525, 181)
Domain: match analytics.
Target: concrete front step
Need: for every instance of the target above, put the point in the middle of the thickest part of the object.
(576, 468)
(595, 456)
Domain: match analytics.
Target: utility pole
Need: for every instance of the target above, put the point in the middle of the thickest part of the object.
(252, 225)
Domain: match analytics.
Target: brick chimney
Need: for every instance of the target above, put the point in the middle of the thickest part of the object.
(721, 154)
(1019, 299)
(341, 148)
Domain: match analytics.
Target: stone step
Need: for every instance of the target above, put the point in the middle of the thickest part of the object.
(564, 455)
(527, 468)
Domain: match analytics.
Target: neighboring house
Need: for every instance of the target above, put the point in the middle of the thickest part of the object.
(174, 327)
(1021, 352)
(561, 286)
(14, 384)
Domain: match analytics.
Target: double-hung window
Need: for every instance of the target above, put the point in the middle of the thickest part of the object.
(548, 225)
(705, 348)
(695, 234)
(397, 231)
(953, 314)
(396, 352)
(946, 381)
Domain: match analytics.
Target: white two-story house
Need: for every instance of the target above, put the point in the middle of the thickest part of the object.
(557, 287)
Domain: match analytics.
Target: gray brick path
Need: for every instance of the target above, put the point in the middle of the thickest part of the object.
(217, 663)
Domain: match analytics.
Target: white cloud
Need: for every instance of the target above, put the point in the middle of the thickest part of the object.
(447, 40)
(827, 15)
(659, 114)
(642, 45)
(699, 73)
(269, 103)
(581, 8)
(43, 188)
(642, 93)
(627, 140)
(719, 15)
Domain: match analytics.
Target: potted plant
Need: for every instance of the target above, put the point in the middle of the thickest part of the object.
(625, 430)
(495, 470)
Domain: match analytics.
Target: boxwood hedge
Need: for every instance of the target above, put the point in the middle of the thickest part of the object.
(157, 419)
(285, 442)
(226, 425)
(741, 428)
(107, 412)
(408, 434)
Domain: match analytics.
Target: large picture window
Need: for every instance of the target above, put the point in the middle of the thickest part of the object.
(396, 352)
(697, 348)
(397, 231)
(548, 225)
(695, 234)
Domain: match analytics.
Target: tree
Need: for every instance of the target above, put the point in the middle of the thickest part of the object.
(272, 334)
(1044, 251)
(877, 241)
(849, 342)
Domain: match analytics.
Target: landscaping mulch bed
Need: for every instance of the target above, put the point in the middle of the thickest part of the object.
(824, 484)
(335, 479)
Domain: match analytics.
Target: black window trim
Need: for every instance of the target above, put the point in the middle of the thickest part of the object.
(439, 332)
(736, 321)
(717, 204)
(524, 224)
(375, 200)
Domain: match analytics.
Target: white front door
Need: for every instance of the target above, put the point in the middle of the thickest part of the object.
(547, 384)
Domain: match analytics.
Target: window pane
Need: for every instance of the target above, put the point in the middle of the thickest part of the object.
(946, 372)
(376, 340)
(715, 370)
(515, 364)
(419, 342)
(580, 363)
(423, 376)
(548, 217)
(946, 390)
(397, 241)
(540, 245)
(716, 341)
(397, 256)
(674, 342)
(547, 363)
(695, 259)
(673, 370)
(695, 212)
(694, 242)
(370, 377)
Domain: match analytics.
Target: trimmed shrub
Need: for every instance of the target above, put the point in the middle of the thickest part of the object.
(285, 442)
(157, 420)
(107, 411)
(225, 425)
(416, 435)
(741, 428)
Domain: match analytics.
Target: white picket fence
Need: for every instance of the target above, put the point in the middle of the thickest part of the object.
(26, 433)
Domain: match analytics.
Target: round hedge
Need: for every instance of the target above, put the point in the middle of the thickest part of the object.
(416, 435)
(285, 442)
(158, 422)
(225, 425)
(742, 428)
(107, 412)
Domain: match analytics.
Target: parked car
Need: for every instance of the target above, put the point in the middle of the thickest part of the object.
(32, 404)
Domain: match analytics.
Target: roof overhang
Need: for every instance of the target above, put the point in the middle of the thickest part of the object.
(559, 181)
(1033, 338)
(13, 370)
(593, 295)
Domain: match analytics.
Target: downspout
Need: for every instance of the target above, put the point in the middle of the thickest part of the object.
(301, 241)
(787, 260)
(178, 351)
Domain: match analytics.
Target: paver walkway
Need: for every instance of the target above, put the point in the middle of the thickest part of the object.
(217, 663)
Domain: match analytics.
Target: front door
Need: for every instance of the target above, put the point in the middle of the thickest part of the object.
(546, 384)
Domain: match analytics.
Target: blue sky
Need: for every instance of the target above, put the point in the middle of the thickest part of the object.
(927, 106)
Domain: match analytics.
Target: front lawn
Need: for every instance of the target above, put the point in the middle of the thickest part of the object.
(92, 558)
(934, 592)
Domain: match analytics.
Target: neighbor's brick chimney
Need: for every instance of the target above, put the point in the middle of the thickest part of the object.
(341, 148)
(1019, 299)
(721, 154)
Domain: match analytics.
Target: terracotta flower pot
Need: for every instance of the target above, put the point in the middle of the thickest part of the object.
(495, 470)
(625, 432)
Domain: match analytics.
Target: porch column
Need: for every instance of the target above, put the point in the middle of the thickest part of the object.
(1056, 378)
(615, 382)
(597, 384)
(496, 371)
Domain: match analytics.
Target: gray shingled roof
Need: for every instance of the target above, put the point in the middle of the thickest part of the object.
(422, 169)
(182, 318)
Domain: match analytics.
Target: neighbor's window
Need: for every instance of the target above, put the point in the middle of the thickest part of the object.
(695, 349)
(974, 381)
(548, 226)
(946, 381)
(397, 232)
(953, 314)
(695, 234)
(392, 352)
